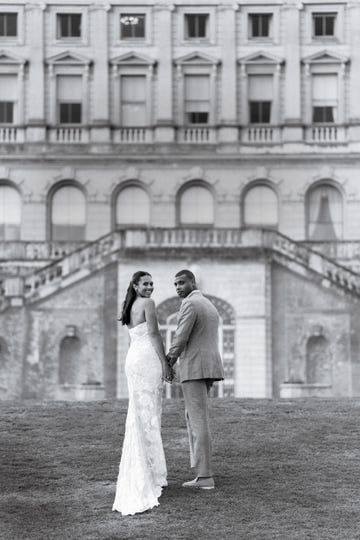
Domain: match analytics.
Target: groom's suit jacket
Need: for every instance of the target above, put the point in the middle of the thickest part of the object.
(196, 340)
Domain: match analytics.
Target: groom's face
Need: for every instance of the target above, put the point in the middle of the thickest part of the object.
(183, 285)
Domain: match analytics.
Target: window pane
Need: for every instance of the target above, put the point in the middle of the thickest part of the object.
(75, 25)
(68, 214)
(260, 112)
(196, 25)
(68, 25)
(133, 207)
(133, 115)
(324, 212)
(8, 87)
(10, 213)
(260, 206)
(323, 114)
(133, 88)
(6, 112)
(8, 24)
(70, 113)
(132, 25)
(197, 118)
(196, 206)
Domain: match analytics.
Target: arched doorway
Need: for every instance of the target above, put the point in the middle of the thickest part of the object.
(69, 361)
(167, 313)
(318, 361)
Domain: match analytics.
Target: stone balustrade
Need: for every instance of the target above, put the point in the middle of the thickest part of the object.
(30, 251)
(261, 134)
(326, 134)
(95, 255)
(197, 135)
(133, 135)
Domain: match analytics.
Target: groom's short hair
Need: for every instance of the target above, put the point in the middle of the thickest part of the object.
(186, 273)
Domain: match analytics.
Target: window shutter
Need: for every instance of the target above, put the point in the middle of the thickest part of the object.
(69, 88)
(324, 89)
(8, 87)
(197, 93)
(260, 88)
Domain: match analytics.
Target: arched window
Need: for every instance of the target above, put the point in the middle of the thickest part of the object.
(10, 213)
(132, 207)
(68, 214)
(196, 206)
(324, 213)
(70, 361)
(261, 207)
(167, 313)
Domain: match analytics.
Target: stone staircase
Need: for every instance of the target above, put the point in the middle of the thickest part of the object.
(96, 255)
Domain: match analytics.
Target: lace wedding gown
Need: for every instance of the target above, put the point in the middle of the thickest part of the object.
(142, 469)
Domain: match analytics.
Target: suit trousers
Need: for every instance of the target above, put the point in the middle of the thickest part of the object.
(197, 421)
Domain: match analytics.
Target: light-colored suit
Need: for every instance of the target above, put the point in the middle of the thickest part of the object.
(196, 340)
(196, 346)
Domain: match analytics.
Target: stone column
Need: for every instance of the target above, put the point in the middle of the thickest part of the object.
(100, 128)
(292, 97)
(36, 122)
(354, 78)
(341, 94)
(228, 129)
(164, 122)
(244, 107)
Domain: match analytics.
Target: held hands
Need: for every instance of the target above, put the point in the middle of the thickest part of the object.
(168, 371)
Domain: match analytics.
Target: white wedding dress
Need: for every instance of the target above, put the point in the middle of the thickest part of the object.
(142, 469)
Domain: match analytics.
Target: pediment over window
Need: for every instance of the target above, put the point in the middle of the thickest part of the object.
(69, 58)
(197, 58)
(10, 58)
(325, 57)
(133, 59)
(261, 58)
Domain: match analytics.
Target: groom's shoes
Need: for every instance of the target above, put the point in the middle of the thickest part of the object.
(200, 483)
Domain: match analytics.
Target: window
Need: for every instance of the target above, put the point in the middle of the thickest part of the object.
(259, 25)
(196, 25)
(324, 214)
(6, 112)
(261, 207)
(132, 26)
(68, 215)
(132, 207)
(197, 99)
(260, 98)
(8, 24)
(133, 100)
(8, 93)
(324, 98)
(196, 206)
(10, 213)
(69, 89)
(324, 24)
(68, 25)
(69, 364)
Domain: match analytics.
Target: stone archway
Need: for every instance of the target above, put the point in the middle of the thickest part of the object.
(167, 313)
(69, 360)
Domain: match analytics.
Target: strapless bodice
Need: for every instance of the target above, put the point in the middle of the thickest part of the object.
(138, 331)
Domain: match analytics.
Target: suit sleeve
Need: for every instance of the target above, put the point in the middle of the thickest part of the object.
(184, 328)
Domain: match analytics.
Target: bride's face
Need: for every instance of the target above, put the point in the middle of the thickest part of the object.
(145, 287)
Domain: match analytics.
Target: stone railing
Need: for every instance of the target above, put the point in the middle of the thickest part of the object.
(326, 134)
(69, 135)
(11, 135)
(133, 135)
(31, 251)
(196, 135)
(261, 134)
(96, 255)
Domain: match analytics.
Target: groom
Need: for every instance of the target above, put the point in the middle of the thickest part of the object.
(196, 346)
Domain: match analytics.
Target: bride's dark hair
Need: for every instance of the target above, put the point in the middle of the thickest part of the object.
(131, 296)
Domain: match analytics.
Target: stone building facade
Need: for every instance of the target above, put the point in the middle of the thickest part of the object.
(221, 137)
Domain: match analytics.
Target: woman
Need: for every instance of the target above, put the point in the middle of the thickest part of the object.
(142, 470)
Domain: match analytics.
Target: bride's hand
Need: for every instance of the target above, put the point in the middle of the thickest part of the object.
(168, 373)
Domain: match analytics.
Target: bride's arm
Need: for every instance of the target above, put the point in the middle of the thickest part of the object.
(154, 334)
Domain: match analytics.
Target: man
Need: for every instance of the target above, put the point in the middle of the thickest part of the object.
(196, 346)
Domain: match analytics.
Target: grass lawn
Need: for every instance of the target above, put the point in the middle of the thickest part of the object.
(284, 470)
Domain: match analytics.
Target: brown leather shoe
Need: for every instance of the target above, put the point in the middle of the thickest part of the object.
(200, 483)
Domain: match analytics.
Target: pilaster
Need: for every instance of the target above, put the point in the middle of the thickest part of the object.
(36, 122)
(354, 78)
(164, 122)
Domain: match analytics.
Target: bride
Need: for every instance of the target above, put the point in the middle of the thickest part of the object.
(142, 469)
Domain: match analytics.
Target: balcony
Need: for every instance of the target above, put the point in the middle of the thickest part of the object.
(326, 134)
(133, 135)
(12, 135)
(69, 135)
(261, 134)
(197, 135)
